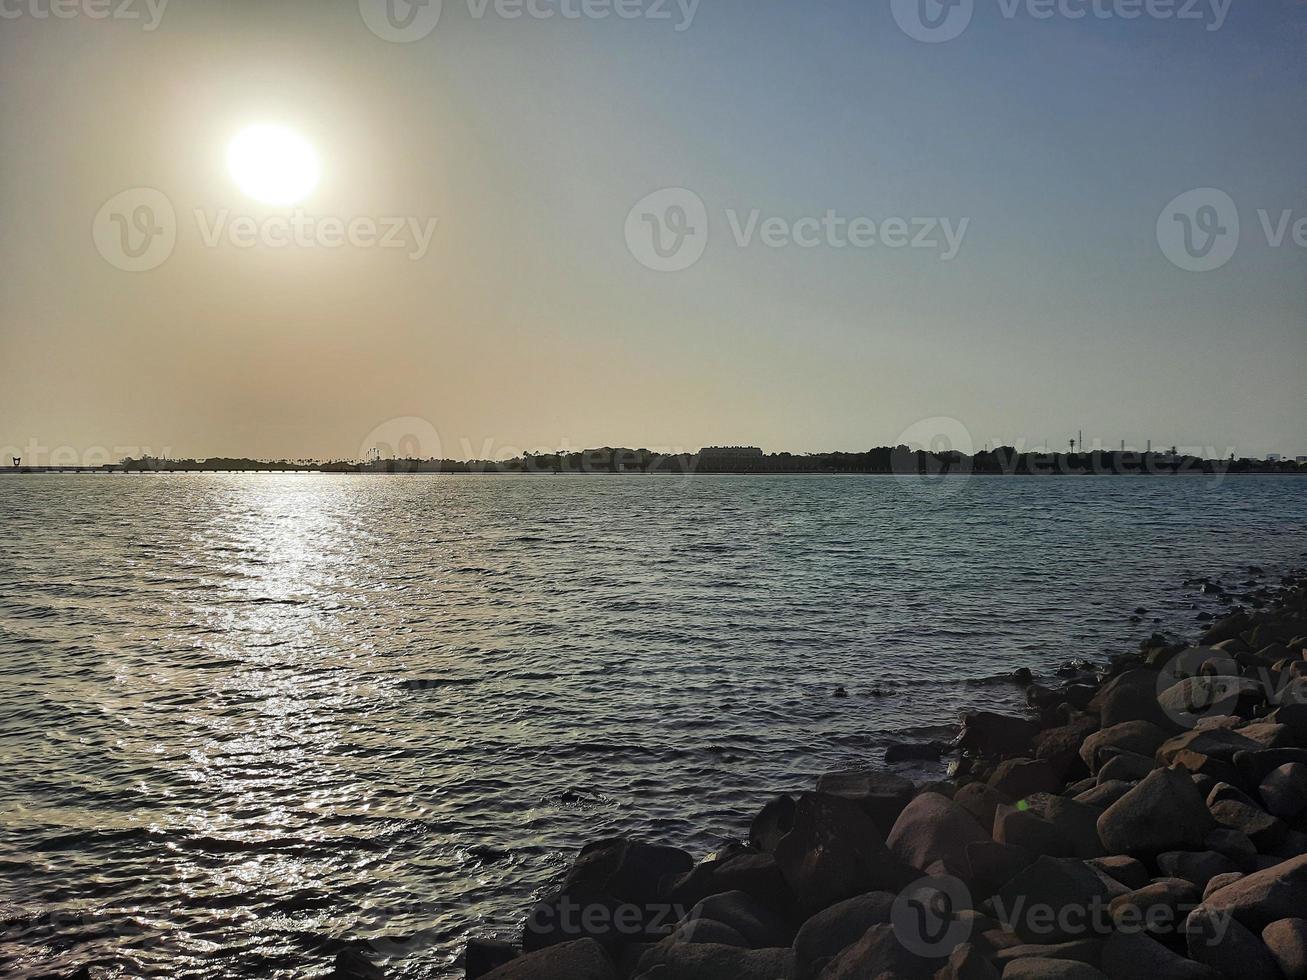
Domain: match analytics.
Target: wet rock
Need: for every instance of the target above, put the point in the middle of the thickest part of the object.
(1128, 697)
(1163, 813)
(1286, 939)
(1199, 867)
(1131, 872)
(996, 736)
(1228, 947)
(836, 852)
(757, 925)
(484, 955)
(353, 965)
(832, 930)
(773, 822)
(882, 795)
(1141, 737)
(625, 869)
(1258, 899)
(1137, 956)
(1024, 829)
(1050, 883)
(755, 874)
(1284, 790)
(932, 828)
(1061, 746)
(583, 959)
(1256, 766)
(878, 953)
(1019, 778)
(1187, 700)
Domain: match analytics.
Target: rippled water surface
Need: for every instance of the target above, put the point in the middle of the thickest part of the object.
(247, 718)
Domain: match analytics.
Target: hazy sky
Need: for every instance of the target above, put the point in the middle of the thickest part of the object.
(1051, 146)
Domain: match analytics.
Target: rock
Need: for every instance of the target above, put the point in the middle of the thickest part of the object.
(1258, 899)
(1234, 845)
(878, 953)
(1034, 968)
(1061, 745)
(1024, 829)
(1294, 843)
(1125, 767)
(882, 795)
(1159, 907)
(996, 736)
(1228, 947)
(1189, 699)
(1163, 813)
(1020, 778)
(933, 828)
(1269, 735)
(707, 931)
(353, 965)
(1217, 743)
(1287, 941)
(1199, 867)
(1077, 822)
(1105, 793)
(1131, 872)
(835, 852)
(967, 962)
(993, 865)
(625, 869)
(773, 822)
(484, 955)
(1226, 629)
(1141, 737)
(583, 959)
(1137, 956)
(1256, 766)
(565, 917)
(832, 930)
(757, 874)
(756, 924)
(981, 801)
(1195, 763)
(1235, 810)
(1220, 881)
(1294, 718)
(1128, 697)
(1050, 884)
(707, 961)
(1284, 790)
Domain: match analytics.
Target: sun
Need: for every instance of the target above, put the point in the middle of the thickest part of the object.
(273, 164)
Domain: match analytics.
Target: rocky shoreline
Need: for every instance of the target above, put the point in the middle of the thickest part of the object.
(1147, 819)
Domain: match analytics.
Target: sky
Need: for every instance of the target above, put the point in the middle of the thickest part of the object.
(806, 225)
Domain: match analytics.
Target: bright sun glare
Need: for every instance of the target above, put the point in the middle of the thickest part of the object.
(273, 164)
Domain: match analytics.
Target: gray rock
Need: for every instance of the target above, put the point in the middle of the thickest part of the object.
(1235, 810)
(1105, 793)
(830, 931)
(1187, 700)
(1219, 882)
(1131, 872)
(1137, 956)
(878, 953)
(773, 822)
(583, 959)
(1128, 767)
(1024, 829)
(1141, 737)
(1287, 941)
(1077, 822)
(1216, 743)
(484, 955)
(1159, 907)
(1163, 813)
(1284, 790)
(1020, 778)
(981, 801)
(1128, 697)
(705, 961)
(1234, 845)
(1258, 899)
(1050, 883)
(757, 874)
(758, 925)
(993, 865)
(996, 736)
(1227, 946)
(883, 795)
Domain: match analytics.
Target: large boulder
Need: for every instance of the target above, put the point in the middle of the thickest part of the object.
(671, 960)
(773, 822)
(878, 953)
(1139, 736)
(1199, 867)
(830, 931)
(931, 829)
(1131, 872)
(583, 959)
(625, 869)
(1287, 941)
(835, 852)
(981, 801)
(1019, 778)
(968, 962)
(1131, 696)
(1026, 830)
(992, 865)
(883, 795)
(996, 736)
(1159, 907)
(350, 965)
(1061, 745)
(1035, 968)
(1189, 699)
(1228, 946)
(757, 874)
(1052, 885)
(1077, 822)
(1284, 790)
(1165, 812)
(1216, 743)
(1235, 810)
(1258, 899)
(1137, 956)
(757, 925)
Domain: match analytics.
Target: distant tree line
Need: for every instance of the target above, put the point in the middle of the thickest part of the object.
(1002, 461)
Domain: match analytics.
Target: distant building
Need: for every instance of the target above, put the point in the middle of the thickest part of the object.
(1302, 459)
(1273, 457)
